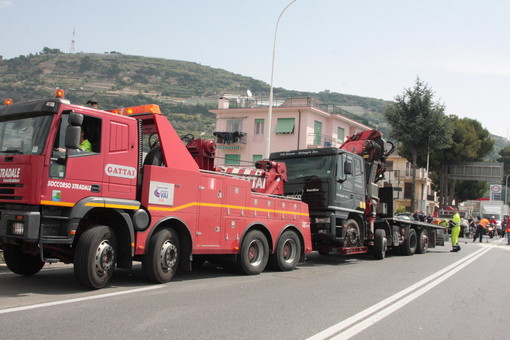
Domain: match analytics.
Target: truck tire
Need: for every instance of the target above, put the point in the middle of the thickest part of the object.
(162, 260)
(21, 263)
(254, 253)
(288, 250)
(95, 257)
(380, 244)
(409, 246)
(423, 242)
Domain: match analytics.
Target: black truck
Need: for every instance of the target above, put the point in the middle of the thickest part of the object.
(349, 212)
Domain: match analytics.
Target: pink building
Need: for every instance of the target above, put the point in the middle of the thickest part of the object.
(296, 124)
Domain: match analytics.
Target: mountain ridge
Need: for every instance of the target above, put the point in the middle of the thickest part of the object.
(184, 90)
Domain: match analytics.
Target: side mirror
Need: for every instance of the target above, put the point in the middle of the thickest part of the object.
(73, 130)
(72, 140)
(75, 119)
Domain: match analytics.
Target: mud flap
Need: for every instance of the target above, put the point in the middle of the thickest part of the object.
(440, 237)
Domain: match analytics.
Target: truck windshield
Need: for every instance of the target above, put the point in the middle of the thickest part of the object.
(24, 135)
(320, 166)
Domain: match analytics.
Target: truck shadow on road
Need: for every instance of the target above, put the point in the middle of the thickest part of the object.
(60, 280)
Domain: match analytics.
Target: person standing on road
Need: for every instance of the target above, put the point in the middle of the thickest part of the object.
(507, 229)
(455, 223)
(504, 226)
(480, 228)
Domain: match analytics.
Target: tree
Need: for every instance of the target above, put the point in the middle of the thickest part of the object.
(86, 64)
(419, 124)
(471, 142)
(48, 50)
(505, 159)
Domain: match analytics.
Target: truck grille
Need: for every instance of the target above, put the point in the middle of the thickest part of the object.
(8, 191)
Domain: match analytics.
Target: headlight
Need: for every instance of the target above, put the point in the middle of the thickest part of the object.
(17, 228)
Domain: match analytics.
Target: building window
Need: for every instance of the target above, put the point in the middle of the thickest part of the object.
(256, 158)
(231, 159)
(389, 165)
(259, 127)
(284, 126)
(407, 190)
(234, 125)
(340, 135)
(409, 168)
(317, 132)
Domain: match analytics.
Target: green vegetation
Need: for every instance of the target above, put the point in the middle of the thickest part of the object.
(184, 90)
(421, 127)
(419, 124)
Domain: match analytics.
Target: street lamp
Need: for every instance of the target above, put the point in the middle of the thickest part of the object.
(270, 111)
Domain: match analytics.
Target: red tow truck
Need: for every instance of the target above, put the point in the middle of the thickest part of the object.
(137, 194)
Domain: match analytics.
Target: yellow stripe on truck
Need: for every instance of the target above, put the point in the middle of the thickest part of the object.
(92, 204)
(215, 205)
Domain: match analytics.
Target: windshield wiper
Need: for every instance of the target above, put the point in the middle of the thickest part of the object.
(16, 151)
(307, 177)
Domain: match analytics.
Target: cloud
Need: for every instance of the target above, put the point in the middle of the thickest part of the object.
(5, 3)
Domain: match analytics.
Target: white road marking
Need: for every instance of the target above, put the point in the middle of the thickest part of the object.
(87, 298)
(350, 326)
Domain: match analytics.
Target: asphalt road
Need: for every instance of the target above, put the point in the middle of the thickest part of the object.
(438, 295)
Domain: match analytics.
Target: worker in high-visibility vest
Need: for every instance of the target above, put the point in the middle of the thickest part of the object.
(481, 224)
(455, 223)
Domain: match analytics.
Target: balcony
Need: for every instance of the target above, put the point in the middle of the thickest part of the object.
(317, 140)
(230, 140)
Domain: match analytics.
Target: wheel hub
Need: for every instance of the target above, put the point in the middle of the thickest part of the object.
(289, 250)
(254, 253)
(105, 257)
(168, 255)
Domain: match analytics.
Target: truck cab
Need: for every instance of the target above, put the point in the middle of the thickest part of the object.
(332, 182)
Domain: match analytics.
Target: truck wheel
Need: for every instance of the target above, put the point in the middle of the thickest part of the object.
(95, 257)
(352, 234)
(287, 252)
(254, 253)
(409, 246)
(423, 242)
(380, 244)
(162, 260)
(21, 263)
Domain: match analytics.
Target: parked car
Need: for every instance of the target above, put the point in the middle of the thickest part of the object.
(404, 216)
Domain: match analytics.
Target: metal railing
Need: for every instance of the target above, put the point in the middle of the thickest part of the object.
(320, 140)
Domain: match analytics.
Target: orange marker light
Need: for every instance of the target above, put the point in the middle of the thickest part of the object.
(142, 109)
(59, 93)
(7, 101)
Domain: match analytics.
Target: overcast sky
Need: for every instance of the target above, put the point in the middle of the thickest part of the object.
(370, 48)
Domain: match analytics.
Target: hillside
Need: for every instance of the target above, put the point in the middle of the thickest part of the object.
(184, 90)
